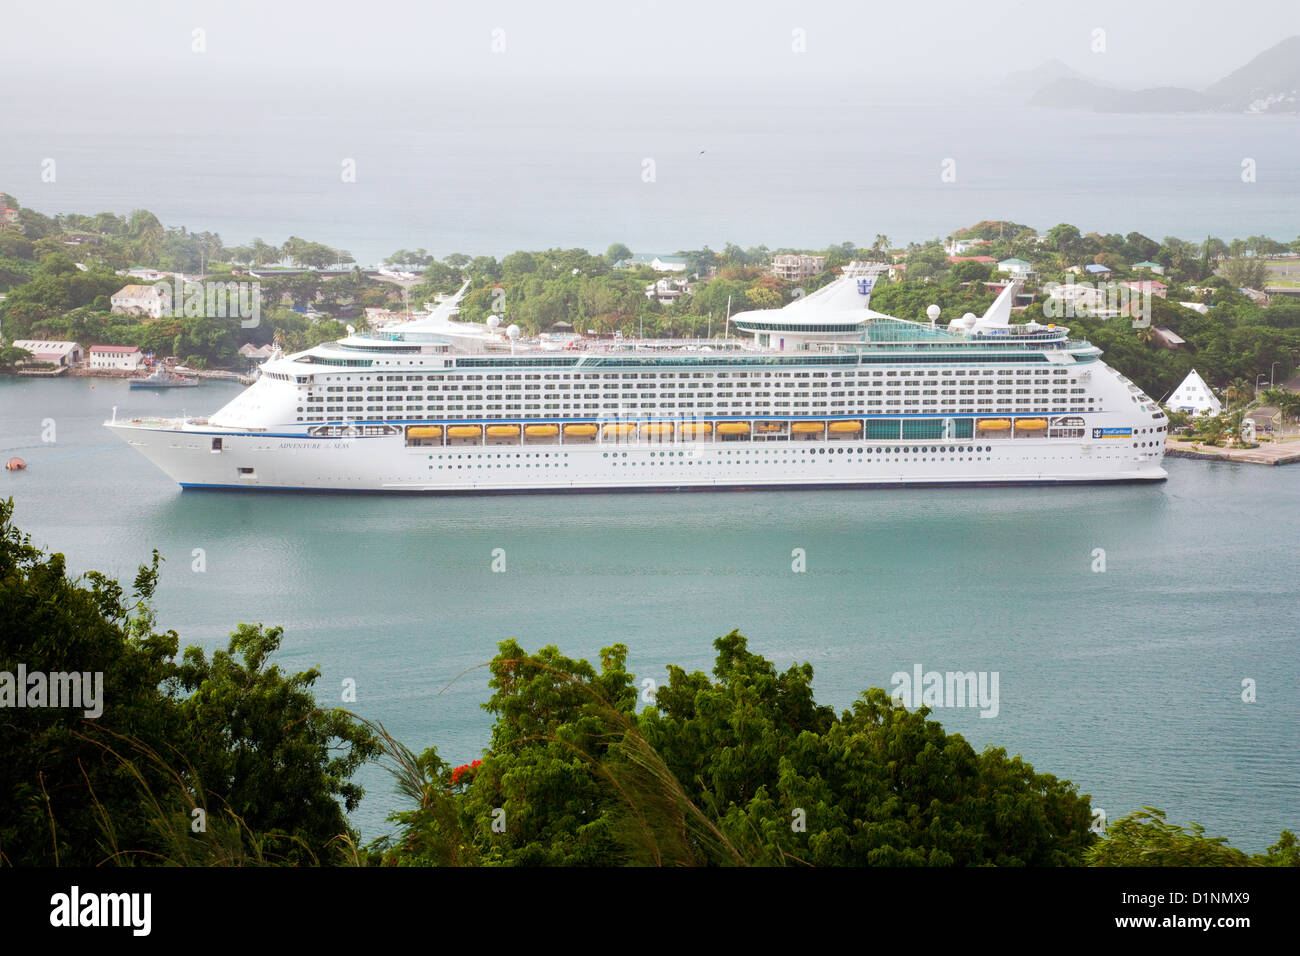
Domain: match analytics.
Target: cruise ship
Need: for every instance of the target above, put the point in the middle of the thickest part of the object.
(823, 393)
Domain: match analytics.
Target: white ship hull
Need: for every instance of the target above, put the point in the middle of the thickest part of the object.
(386, 464)
(829, 395)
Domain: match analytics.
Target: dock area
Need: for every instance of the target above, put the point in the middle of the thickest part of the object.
(1273, 453)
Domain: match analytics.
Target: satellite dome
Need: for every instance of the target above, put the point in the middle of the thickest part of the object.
(494, 321)
(932, 312)
(513, 332)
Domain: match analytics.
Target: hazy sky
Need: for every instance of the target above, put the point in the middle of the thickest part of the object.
(642, 41)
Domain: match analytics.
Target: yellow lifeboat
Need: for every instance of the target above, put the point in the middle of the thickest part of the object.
(697, 428)
(581, 431)
(808, 428)
(993, 425)
(1030, 424)
(733, 428)
(657, 428)
(846, 427)
(767, 427)
(464, 431)
(541, 431)
(503, 431)
(618, 430)
(424, 431)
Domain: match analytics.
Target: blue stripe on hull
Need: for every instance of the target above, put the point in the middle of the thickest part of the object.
(799, 486)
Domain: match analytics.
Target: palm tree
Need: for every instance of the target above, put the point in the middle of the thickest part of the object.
(1239, 392)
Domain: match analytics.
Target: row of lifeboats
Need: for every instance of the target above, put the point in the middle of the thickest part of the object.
(627, 429)
(1004, 424)
(688, 430)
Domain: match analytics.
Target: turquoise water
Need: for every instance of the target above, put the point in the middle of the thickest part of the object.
(1127, 682)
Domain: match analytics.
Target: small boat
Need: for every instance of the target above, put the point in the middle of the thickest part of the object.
(697, 428)
(541, 431)
(846, 427)
(465, 431)
(161, 379)
(733, 428)
(503, 431)
(424, 431)
(621, 429)
(1030, 424)
(581, 431)
(15, 464)
(993, 425)
(657, 428)
(808, 428)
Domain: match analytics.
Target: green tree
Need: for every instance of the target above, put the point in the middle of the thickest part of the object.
(714, 774)
(232, 735)
(1145, 838)
(1246, 273)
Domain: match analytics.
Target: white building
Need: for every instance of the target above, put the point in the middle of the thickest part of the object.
(126, 358)
(139, 300)
(667, 291)
(1015, 266)
(56, 353)
(1194, 396)
(959, 247)
(256, 353)
(794, 267)
(658, 263)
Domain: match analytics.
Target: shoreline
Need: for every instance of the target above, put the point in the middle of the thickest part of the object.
(1284, 453)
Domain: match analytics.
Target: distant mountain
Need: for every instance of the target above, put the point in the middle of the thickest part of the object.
(1049, 71)
(1270, 83)
(1084, 95)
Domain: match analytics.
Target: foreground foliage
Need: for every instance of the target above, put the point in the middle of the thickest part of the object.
(232, 737)
(745, 768)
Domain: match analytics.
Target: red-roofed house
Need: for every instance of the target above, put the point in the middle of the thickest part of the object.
(1148, 285)
(125, 357)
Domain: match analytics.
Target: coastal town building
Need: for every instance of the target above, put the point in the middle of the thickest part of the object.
(1015, 266)
(658, 263)
(667, 291)
(256, 353)
(55, 353)
(1155, 267)
(139, 300)
(125, 358)
(1194, 396)
(795, 267)
(1151, 286)
(1168, 338)
(960, 247)
(1094, 268)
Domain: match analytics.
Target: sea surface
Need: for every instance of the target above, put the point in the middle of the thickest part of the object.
(490, 169)
(1127, 681)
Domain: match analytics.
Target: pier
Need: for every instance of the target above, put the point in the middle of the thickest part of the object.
(1278, 453)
